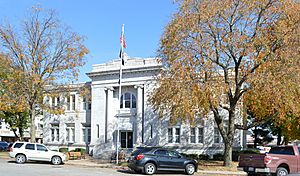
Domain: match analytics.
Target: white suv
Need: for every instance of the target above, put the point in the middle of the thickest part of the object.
(24, 151)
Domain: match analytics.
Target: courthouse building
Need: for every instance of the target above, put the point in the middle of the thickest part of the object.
(95, 122)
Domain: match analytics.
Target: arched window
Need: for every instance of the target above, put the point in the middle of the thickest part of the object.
(128, 100)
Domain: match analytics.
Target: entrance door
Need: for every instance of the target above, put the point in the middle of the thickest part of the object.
(126, 139)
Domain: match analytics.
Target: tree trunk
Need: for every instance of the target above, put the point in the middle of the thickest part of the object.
(255, 137)
(279, 137)
(15, 132)
(21, 132)
(32, 125)
(227, 154)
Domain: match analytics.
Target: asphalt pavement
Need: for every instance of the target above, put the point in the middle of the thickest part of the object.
(86, 167)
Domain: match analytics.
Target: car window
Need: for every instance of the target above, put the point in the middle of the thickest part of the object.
(138, 151)
(41, 147)
(161, 152)
(30, 147)
(3, 144)
(173, 154)
(299, 150)
(18, 145)
(282, 151)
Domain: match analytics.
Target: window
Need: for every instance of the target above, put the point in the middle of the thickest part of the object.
(68, 103)
(127, 100)
(54, 132)
(173, 154)
(41, 147)
(89, 106)
(84, 104)
(58, 101)
(30, 147)
(55, 101)
(126, 139)
(174, 135)
(200, 135)
(193, 135)
(170, 135)
(177, 135)
(161, 152)
(98, 132)
(151, 132)
(18, 145)
(71, 102)
(70, 133)
(86, 134)
(282, 150)
(216, 135)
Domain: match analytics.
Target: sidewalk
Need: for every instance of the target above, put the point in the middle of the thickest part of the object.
(98, 164)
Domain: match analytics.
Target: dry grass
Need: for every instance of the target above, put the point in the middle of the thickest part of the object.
(216, 166)
(4, 155)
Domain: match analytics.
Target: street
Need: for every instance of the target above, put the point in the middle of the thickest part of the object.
(10, 168)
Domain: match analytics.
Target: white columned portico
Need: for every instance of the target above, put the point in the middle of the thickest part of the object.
(139, 115)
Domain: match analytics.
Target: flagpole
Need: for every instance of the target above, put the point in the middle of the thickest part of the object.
(120, 88)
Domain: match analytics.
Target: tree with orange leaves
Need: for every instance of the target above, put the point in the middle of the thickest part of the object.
(215, 53)
(41, 52)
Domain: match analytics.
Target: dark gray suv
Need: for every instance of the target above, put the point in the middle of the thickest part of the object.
(150, 160)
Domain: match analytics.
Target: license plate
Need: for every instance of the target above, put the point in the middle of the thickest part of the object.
(250, 169)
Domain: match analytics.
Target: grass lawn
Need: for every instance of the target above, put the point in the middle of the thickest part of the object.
(216, 166)
(4, 155)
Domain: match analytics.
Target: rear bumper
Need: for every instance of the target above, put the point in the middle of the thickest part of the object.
(11, 154)
(255, 170)
(133, 165)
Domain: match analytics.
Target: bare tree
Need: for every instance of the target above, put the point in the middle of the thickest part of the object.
(42, 52)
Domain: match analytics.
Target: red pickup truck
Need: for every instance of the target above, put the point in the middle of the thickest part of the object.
(279, 161)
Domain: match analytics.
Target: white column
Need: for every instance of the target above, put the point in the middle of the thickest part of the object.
(77, 101)
(55, 135)
(71, 134)
(109, 117)
(139, 111)
(71, 102)
(98, 114)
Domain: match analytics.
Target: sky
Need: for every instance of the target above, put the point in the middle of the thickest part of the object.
(100, 22)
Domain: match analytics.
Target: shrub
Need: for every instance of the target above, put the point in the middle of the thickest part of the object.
(203, 157)
(218, 157)
(235, 155)
(63, 150)
(81, 150)
(250, 151)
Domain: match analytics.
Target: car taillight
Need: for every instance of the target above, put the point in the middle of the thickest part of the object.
(139, 157)
(267, 159)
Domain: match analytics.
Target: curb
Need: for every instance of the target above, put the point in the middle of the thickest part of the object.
(220, 172)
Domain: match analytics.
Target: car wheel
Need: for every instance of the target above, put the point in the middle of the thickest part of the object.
(190, 169)
(20, 159)
(281, 171)
(149, 169)
(56, 160)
